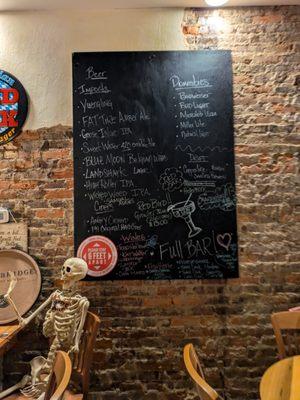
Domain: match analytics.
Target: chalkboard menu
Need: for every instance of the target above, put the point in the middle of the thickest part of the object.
(154, 164)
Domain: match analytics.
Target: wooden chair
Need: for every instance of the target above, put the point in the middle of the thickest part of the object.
(60, 377)
(58, 380)
(285, 325)
(83, 360)
(195, 371)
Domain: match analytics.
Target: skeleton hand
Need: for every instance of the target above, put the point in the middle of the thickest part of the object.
(12, 284)
(26, 379)
(74, 349)
(23, 321)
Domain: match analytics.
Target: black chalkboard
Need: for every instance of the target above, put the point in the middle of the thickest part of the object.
(154, 162)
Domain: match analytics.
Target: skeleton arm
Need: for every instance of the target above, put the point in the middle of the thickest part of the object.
(12, 284)
(38, 310)
(11, 302)
(85, 306)
(7, 297)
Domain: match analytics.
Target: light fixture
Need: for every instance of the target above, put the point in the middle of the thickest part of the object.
(215, 3)
(217, 23)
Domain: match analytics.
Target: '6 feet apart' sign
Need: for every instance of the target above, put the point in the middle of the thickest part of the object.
(13, 107)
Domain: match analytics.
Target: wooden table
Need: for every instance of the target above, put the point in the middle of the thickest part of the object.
(8, 336)
(282, 380)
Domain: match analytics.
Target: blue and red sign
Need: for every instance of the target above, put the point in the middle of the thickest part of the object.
(13, 107)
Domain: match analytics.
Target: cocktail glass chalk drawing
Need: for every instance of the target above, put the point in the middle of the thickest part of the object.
(184, 209)
(63, 324)
(170, 180)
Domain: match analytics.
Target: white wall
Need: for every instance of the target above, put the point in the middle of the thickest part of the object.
(37, 48)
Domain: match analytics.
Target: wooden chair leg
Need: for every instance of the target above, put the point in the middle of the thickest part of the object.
(85, 388)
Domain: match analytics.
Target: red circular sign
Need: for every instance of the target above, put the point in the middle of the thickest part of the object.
(100, 254)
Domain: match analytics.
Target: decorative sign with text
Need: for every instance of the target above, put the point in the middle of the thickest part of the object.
(14, 236)
(154, 164)
(13, 107)
(100, 255)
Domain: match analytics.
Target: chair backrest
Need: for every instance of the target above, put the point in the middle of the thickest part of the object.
(59, 377)
(194, 368)
(83, 360)
(285, 325)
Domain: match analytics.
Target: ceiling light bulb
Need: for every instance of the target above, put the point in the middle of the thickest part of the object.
(216, 3)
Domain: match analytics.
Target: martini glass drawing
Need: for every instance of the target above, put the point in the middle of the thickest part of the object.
(184, 210)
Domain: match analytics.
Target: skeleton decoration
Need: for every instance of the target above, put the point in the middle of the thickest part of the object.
(63, 324)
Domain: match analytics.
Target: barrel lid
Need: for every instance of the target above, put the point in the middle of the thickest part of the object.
(28, 284)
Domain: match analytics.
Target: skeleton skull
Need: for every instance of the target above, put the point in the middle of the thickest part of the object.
(74, 269)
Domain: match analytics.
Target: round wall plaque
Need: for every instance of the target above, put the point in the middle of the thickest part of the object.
(28, 284)
(13, 107)
(100, 254)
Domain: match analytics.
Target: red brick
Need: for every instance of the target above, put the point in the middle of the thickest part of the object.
(267, 19)
(56, 154)
(58, 194)
(46, 213)
(62, 174)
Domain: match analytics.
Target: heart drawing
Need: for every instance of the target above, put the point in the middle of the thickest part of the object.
(224, 240)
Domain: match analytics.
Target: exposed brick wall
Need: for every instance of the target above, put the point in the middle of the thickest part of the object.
(146, 324)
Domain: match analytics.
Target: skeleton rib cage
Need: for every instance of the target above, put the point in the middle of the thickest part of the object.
(61, 324)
